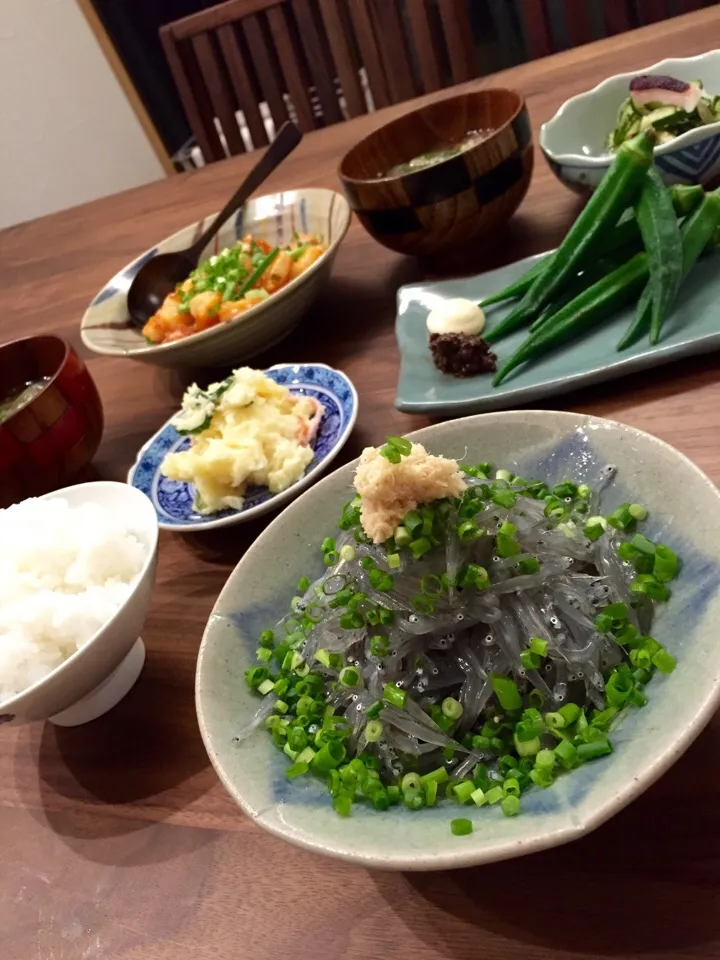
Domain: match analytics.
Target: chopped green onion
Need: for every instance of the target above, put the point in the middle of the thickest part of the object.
(266, 638)
(596, 748)
(478, 797)
(393, 560)
(621, 518)
(348, 552)
(379, 645)
(296, 769)
(503, 498)
(394, 695)
(510, 805)
(431, 585)
(402, 536)
(506, 546)
(666, 564)
(468, 530)
(637, 511)
(545, 760)
(349, 677)
(452, 708)
(329, 756)
(342, 804)
(539, 646)
(566, 754)
(506, 690)
(420, 547)
(461, 826)
(402, 445)
(494, 795)
(440, 775)
(373, 731)
(529, 660)
(664, 661)
(331, 558)
(570, 713)
(411, 781)
(423, 604)
(463, 791)
(503, 475)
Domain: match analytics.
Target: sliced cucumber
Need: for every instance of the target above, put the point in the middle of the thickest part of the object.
(197, 412)
(662, 117)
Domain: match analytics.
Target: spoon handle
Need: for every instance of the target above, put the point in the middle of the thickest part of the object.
(288, 137)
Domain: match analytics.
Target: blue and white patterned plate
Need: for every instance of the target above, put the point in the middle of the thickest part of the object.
(573, 141)
(173, 500)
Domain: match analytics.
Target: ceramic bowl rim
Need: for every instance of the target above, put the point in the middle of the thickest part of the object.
(259, 310)
(483, 91)
(604, 160)
(279, 499)
(458, 857)
(152, 530)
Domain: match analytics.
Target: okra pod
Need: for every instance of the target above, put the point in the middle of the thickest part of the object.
(617, 191)
(594, 304)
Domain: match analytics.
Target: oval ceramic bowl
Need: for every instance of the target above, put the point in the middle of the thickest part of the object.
(107, 328)
(100, 673)
(173, 500)
(450, 204)
(49, 440)
(541, 444)
(574, 140)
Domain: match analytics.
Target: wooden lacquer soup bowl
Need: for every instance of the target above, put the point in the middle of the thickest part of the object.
(46, 441)
(442, 207)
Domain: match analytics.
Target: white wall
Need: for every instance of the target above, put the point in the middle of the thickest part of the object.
(67, 132)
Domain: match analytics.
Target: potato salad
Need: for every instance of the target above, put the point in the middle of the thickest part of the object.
(246, 431)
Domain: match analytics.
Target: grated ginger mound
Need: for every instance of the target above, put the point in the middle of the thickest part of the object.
(390, 490)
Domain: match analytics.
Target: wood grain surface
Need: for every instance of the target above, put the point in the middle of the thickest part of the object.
(118, 841)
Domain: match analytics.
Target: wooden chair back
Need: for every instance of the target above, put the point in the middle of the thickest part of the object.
(587, 20)
(303, 58)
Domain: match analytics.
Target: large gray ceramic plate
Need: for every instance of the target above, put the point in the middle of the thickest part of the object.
(694, 327)
(547, 445)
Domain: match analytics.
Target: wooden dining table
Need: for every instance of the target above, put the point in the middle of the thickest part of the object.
(117, 840)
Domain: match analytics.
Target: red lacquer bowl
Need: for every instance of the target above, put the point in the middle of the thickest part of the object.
(46, 443)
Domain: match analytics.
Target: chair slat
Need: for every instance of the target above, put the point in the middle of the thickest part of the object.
(290, 68)
(194, 100)
(343, 57)
(261, 58)
(425, 45)
(578, 22)
(394, 50)
(650, 11)
(458, 37)
(219, 91)
(369, 52)
(535, 28)
(322, 74)
(616, 14)
(241, 84)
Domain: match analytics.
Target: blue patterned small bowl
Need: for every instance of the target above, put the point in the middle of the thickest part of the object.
(173, 500)
(574, 140)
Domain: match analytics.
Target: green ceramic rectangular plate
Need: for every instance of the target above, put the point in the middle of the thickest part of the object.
(693, 327)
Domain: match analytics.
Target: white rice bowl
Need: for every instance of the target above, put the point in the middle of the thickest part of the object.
(65, 571)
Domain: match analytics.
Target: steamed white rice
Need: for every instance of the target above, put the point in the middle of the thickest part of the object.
(64, 572)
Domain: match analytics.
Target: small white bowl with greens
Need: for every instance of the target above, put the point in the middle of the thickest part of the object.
(578, 142)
